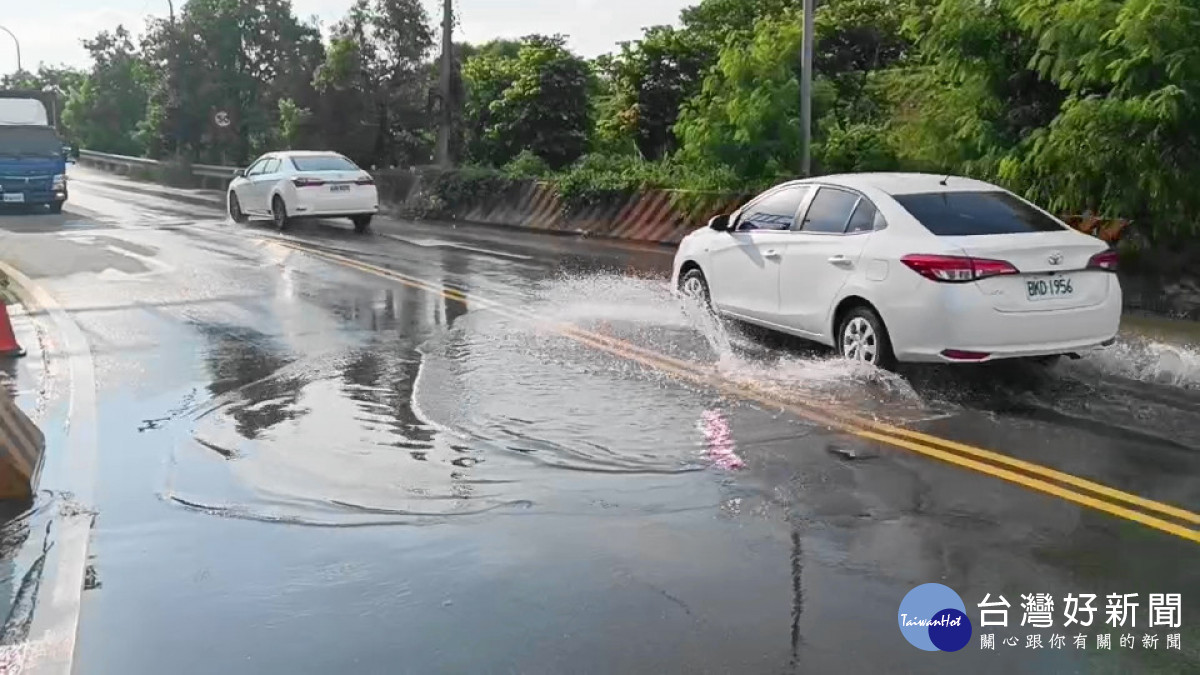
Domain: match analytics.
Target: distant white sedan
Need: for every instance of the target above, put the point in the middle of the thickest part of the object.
(889, 267)
(283, 186)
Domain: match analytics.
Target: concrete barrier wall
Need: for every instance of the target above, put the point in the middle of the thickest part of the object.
(662, 216)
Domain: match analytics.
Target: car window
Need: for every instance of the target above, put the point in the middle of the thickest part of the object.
(956, 214)
(864, 217)
(324, 163)
(256, 168)
(272, 166)
(829, 212)
(773, 211)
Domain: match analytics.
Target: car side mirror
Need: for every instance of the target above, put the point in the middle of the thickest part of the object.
(720, 223)
(239, 173)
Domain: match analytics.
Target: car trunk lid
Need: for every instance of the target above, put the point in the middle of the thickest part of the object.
(1052, 267)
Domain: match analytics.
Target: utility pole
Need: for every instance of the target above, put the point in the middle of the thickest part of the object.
(806, 75)
(175, 95)
(444, 110)
(17, 43)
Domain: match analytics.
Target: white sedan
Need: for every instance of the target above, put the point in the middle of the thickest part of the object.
(889, 267)
(283, 186)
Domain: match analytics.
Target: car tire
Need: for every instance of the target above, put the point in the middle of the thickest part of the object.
(236, 214)
(693, 284)
(279, 213)
(862, 336)
(361, 222)
(55, 207)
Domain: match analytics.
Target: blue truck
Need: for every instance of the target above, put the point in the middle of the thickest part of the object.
(33, 157)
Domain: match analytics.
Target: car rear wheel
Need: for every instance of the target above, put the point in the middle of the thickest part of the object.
(361, 222)
(863, 337)
(693, 285)
(279, 213)
(235, 209)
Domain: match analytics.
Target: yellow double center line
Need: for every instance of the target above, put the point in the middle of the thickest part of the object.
(1164, 517)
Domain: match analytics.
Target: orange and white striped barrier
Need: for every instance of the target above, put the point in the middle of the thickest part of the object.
(22, 445)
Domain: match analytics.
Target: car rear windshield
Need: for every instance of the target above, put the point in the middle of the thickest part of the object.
(957, 214)
(323, 163)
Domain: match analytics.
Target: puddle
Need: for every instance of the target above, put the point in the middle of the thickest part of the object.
(431, 414)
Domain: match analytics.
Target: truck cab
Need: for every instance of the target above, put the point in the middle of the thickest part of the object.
(33, 157)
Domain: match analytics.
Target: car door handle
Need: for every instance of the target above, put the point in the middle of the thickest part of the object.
(840, 260)
(771, 253)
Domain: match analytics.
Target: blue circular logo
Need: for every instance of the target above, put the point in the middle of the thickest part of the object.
(932, 617)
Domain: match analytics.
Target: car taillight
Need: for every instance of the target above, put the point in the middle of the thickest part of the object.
(302, 181)
(365, 180)
(1105, 260)
(956, 269)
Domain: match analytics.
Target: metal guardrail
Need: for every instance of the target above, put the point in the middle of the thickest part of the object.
(126, 161)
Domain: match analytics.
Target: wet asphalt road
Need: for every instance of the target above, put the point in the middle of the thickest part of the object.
(307, 466)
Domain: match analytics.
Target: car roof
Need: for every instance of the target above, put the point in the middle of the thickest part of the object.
(903, 183)
(307, 153)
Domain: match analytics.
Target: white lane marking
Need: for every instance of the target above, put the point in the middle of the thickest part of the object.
(153, 263)
(56, 619)
(438, 243)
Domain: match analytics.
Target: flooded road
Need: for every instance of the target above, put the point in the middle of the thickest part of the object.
(440, 449)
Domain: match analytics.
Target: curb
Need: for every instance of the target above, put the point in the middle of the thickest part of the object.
(50, 645)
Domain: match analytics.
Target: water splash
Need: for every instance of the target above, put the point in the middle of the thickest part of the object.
(1145, 360)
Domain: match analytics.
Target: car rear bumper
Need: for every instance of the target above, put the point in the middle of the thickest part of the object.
(312, 202)
(950, 324)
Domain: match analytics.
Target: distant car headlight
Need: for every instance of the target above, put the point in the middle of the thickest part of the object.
(60, 181)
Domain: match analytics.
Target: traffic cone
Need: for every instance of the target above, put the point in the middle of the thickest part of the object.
(8, 341)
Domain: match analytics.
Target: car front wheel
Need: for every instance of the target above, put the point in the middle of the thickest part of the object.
(863, 337)
(235, 209)
(279, 213)
(693, 285)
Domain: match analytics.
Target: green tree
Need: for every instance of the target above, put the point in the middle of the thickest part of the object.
(537, 101)
(718, 23)
(103, 113)
(1127, 138)
(239, 56)
(746, 117)
(376, 79)
(977, 98)
(651, 78)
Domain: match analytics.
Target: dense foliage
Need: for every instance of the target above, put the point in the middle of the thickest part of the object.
(1080, 104)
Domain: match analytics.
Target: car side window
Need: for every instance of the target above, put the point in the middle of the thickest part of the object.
(775, 210)
(829, 211)
(864, 217)
(271, 166)
(256, 168)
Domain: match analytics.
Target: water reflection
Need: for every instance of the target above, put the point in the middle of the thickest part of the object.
(250, 375)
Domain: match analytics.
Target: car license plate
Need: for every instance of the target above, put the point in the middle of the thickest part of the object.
(14, 197)
(1051, 287)
(339, 188)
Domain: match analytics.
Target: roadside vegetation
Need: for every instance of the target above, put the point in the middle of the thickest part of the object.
(1082, 105)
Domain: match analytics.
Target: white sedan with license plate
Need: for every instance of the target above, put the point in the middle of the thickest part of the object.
(283, 186)
(889, 267)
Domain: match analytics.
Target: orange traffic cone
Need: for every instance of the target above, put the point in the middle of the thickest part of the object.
(8, 341)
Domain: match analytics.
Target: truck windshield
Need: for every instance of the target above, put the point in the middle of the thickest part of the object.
(22, 141)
